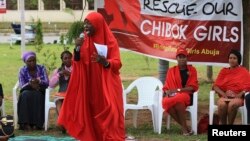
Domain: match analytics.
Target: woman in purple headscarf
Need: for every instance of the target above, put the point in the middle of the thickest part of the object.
(33, 80)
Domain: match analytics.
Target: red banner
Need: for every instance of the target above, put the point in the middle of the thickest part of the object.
(2, 6)
(208, 30)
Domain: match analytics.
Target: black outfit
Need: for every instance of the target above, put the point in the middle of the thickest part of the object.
(63, 83)
(184, 77)
(247, 98)
(30, 107)
(1, 90)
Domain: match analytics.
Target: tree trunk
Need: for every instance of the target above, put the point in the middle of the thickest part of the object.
(210, 73)
(246, 31)
(163, 66)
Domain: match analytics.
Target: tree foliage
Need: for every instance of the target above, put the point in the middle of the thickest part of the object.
(39, 36)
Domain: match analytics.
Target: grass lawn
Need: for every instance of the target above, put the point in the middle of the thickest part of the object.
(134, 66)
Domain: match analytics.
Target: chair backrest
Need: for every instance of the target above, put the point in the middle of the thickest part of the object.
(15, 97)
(146, 87)
(47, 95)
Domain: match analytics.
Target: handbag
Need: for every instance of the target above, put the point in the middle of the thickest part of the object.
(6, 125)
(204, 122)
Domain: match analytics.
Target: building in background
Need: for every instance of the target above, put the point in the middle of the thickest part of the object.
(47, 10)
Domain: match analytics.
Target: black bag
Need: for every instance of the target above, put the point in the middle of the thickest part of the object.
(6, 126)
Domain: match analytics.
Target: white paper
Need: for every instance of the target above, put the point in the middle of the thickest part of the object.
(101, 49)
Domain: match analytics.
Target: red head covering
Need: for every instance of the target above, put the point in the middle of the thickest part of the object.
(181, 51)
(103, 35)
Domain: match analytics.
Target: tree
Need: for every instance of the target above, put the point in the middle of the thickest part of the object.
(163, 66)
(246, 30)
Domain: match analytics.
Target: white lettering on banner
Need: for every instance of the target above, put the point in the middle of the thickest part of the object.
(216, 33)
(200, 33)
(216, 132)
(163, 29)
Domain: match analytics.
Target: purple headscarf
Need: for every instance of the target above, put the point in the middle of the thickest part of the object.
(27, 55)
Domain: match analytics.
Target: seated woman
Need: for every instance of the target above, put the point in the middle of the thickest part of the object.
(231, 85)
(181, 82)
(33, 81)
(61, 76)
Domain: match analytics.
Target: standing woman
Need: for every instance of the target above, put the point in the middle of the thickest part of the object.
(231, 85)
(93, 107)
(33, 81)
(181, 82)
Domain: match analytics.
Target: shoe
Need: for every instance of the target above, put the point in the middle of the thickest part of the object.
(128, 137)
(188, 133)
(21, 127)
(64, 131)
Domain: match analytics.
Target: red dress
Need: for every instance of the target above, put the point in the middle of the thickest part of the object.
(173, 81)
(93, 106)
(236, 80)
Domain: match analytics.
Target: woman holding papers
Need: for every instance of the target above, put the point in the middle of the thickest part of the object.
(93, 106)
(181, 83)
(231, 85)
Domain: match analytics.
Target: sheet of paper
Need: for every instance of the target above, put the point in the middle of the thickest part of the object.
(101, 49)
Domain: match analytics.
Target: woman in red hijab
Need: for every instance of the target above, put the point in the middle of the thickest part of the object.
(181, 82)
(93, 106)
(231, 85)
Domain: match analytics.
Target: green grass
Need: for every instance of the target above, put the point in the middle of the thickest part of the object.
(134, 66)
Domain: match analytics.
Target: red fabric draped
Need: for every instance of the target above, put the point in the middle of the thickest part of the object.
(173, 81)
(236, 79)
(93, 106)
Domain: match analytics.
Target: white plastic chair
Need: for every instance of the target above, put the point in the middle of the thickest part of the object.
(146, 88)
(48, 105)
(15, 99)
(192, 109)
(213, 107)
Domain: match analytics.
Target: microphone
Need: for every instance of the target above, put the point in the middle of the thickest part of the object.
(78, 46)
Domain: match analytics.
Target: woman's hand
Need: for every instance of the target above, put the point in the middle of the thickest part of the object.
(99, 59)
(78, 41)
(240, 95)
(170, 92)
(230, 94)
(64, 73)
(34, 83)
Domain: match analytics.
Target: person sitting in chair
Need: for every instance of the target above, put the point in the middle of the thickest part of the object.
(33, 81)
(181, 82)
(231, 85)
(61, 77)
